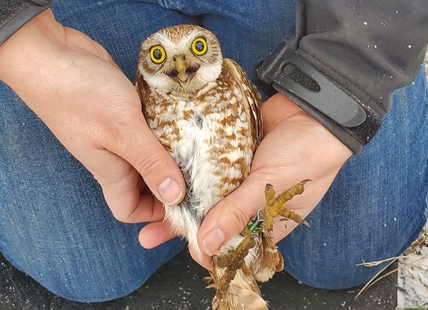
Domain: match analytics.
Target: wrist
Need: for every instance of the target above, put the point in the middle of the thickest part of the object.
(343, 114)
(279, 111)
(276, 109)
(28, 46)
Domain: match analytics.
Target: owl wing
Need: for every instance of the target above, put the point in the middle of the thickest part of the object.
(149, 104)
(142, 88)
(251, 95)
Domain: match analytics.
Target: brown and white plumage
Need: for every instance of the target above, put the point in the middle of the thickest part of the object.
(260, 264)
(204, 110)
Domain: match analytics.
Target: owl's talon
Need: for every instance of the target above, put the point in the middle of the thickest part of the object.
(305, 223)
(275, 206)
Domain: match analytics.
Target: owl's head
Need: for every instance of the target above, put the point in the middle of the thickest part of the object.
(180, 59)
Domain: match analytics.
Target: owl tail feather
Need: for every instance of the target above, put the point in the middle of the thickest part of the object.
(242, 293)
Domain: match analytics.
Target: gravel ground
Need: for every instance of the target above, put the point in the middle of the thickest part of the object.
(413, 269)
(413, 275)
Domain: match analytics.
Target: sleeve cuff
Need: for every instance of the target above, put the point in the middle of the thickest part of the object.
(17, 14)
(348, 118)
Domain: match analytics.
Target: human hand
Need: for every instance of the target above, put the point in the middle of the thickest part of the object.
(295, 147)
(74, 86)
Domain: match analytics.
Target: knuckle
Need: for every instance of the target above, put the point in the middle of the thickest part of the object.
(239, 218)
(127, 215)
(150, 163)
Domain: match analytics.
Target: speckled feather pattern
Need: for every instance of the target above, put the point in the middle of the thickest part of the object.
(212, 129)
(212, 134)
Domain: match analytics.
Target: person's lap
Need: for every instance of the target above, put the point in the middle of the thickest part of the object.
(56, 226)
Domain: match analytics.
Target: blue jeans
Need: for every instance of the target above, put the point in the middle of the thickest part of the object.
(56, 226)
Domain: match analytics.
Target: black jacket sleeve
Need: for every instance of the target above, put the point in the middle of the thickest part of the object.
(16, 13)
(346, 59)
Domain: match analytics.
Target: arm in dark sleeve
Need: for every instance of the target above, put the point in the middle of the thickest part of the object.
(16, 13)
(346, 59)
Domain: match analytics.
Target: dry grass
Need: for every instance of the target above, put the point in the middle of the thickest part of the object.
(411, 259)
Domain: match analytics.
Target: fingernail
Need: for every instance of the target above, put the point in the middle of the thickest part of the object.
(213, 241)
(170, 191)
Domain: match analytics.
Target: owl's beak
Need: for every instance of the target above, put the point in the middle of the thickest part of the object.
(180, 66)
(183, 73)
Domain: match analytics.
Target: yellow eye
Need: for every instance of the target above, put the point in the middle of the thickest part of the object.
(199, 46)
(157, 54)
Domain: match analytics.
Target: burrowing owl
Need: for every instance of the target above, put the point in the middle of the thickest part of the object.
(204, 110)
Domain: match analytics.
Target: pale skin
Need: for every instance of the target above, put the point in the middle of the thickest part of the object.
(74, 86)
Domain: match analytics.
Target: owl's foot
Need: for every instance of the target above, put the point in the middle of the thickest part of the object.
(235, 284)
(234, 281)
(275, 206)
(233, 260)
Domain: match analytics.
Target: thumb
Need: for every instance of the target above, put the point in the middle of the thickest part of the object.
(152, 161)
(231, 215)
(133, 159)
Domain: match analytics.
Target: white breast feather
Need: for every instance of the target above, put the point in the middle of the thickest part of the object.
(196, 159)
